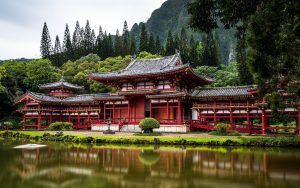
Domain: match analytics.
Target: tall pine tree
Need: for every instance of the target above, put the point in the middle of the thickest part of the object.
(57, 59)
(46, 46)
(76, 41)
(157, 45)
(151, 45)
(170, 47)
(67, 45)
(132, 45)
(143, 39)
(210, 55)
(87, 39)
(118, 44)
(126, 40)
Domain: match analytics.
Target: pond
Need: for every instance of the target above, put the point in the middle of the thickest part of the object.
(91, 166)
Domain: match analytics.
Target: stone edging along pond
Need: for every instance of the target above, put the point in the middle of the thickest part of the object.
(260, 141)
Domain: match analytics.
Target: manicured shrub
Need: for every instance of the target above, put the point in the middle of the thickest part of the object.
(8, 125)
(148, 124)
(222, 128)
(60, 126)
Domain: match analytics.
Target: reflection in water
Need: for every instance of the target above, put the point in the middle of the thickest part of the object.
(59, 166)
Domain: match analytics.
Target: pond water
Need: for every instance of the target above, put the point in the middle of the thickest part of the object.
(86, 166)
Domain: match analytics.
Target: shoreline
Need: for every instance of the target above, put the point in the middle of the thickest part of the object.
(199, 139)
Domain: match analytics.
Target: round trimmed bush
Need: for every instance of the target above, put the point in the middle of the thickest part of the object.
(148, 124)
(222, 128)
(60, 126)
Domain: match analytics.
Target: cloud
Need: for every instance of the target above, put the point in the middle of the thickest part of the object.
(21, 21)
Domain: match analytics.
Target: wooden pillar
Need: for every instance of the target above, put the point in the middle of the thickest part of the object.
(113, 113)
(128, 111)
(69, 118)
(39, 120)
(150, 108)
(178, 111)
(78, 119)
(24, 123)
(263, 121)
(298, 122)
(248, 121)
(231, 118)
(168, 116)
(215, 117)
(89, 119)
(104, 113)
(51, 117)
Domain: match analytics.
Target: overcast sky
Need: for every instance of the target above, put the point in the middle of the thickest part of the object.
(21, 21)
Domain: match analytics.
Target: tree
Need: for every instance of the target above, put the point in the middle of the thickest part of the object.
(2, 76)
(76, 41)
(157, 45)
(87, 39)
(67, 45)
(38, 72)
(132, 45)
(99, 42)
(272, 40)
(224, 76)
(243, 69)
(46, 46)
(151, 45)
(143, 39)
(118, 44)
(148, 124)
(183, 45)
(57, 58)
(170, 48)
(210, 55)
(125, 40)
(192, 53)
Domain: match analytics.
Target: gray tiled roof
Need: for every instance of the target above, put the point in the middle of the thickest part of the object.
(146, 66)
(88, 98)
(222, 91)
(59, 84)
(168, 94)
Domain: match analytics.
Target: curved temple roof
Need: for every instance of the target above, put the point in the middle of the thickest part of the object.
(233, 91)
(61, 84)
(147, 67)
(86, 98)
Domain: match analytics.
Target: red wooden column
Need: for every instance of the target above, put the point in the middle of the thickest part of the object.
(39, 120)
(51, 117)
(113, 113)
(298, 122)
(178, 111)
(215, 118)
(89, 119)
(231, 118)
(168, 116)
(69, 118)
(78, 119)
(150, 108)
(104, 113)
(24, 123)
(263, 121)
(128, 111)
(248, 121)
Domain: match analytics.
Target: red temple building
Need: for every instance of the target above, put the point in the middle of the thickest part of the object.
(162, 88)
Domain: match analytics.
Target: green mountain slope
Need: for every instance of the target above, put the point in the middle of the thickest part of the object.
(173, 15)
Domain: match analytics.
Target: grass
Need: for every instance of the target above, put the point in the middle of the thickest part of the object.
(259, 141)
